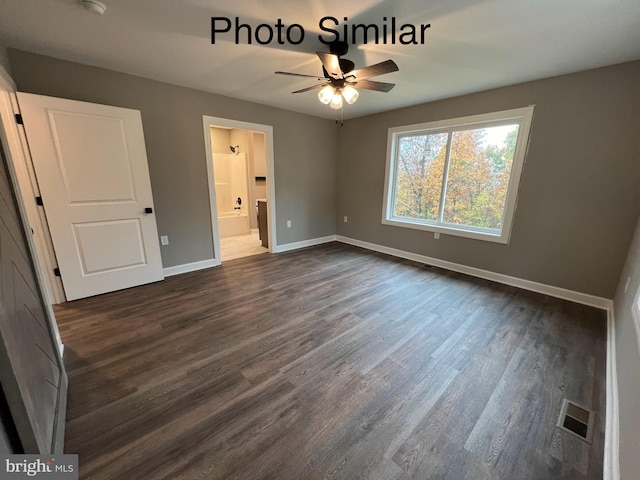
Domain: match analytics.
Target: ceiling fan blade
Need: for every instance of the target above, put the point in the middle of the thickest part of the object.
(381, 68)
(300, 75)
(371, 85)
(320, 85)
(331, 64)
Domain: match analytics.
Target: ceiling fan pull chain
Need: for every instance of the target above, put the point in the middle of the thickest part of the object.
(341, 121)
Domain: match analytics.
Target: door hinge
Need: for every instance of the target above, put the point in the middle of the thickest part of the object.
(56, 272)
(19, 119)
(39, 201)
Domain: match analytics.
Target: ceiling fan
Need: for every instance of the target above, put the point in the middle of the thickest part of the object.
(341, 80)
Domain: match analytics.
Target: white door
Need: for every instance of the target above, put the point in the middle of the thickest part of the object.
(91, 166)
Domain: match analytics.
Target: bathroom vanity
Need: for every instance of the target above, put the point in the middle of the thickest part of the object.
(263, 231)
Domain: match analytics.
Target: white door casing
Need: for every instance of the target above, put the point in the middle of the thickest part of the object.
(208, 122)
(91, 166)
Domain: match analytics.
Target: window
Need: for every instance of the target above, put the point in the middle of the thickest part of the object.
(459, 176)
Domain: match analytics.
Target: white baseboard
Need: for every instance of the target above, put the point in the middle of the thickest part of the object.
(611, 436)
(578, 297)
(304, 243)
(190, 267)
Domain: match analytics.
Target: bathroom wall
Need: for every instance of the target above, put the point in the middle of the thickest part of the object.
(260, 164)
(231, 184)
(220, 140)
(243, 139)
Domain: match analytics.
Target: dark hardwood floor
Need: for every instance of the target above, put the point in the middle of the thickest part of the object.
(331, 362)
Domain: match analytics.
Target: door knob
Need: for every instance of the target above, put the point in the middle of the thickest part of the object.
(148, 210)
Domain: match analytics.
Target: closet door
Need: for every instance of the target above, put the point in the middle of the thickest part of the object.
(91, 165)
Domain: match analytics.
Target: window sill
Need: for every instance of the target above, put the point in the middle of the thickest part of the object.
(502, 238)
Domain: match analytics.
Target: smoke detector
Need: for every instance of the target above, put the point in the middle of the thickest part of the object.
(94, 6)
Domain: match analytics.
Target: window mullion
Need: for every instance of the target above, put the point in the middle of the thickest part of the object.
(445, 175)
(396, 162)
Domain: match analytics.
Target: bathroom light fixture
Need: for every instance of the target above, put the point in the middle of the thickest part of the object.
(94, 6)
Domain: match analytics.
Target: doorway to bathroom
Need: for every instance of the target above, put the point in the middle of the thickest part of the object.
(240, 168)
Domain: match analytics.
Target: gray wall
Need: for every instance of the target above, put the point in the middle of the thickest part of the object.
(4, 59)
(628, 362)
(579, 195)
(578, 201)
(305, 150)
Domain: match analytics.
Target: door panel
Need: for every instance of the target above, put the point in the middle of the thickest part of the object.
(92, 170)
(108, 177)
(110, 245)
(32, 374)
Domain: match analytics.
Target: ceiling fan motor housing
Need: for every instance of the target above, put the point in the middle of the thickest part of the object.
(345, 65)
(339, 48)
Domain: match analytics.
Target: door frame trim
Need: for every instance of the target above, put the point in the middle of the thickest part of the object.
(208, 122)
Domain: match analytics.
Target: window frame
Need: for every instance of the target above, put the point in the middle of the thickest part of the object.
(522, 116)
(635, 313)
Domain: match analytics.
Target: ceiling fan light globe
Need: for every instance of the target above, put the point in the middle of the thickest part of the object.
(350, 94)
(326, 94)
(336, 101)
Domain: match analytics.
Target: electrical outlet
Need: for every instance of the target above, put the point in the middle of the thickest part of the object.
(288, 223)
(345, 219)
(436, 235)
(164, 239)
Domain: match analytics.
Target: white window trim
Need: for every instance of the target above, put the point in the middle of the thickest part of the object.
(522, 116)
(635, 311)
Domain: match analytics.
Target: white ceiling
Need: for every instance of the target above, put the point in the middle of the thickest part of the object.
(472, 45)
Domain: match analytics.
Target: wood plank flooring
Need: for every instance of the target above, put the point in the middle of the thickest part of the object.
(330, 362)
